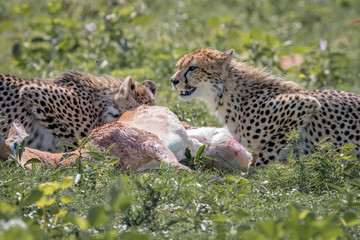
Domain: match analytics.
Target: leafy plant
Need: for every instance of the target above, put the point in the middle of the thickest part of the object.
(196, 162)
(18, 150)
(79, 154)
(96, 162)
(325, 167)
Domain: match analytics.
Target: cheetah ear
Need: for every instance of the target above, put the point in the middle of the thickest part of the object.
(150, 85)
(227, 56)
(127, 85)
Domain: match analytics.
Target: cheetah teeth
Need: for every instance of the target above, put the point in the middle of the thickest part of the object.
(187, 92)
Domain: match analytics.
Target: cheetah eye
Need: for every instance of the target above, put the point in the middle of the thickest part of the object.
(192, 68)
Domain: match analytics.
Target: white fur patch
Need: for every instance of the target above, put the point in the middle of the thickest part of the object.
(111, 114)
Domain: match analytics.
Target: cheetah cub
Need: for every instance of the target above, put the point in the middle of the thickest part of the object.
(261, 109)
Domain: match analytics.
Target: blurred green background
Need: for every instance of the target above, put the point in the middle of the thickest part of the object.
(315, 43)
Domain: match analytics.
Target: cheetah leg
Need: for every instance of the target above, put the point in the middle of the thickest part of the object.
(254, 158)
(275, 149)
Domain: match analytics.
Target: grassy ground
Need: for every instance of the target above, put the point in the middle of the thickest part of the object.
(270, 203)
(317, 197)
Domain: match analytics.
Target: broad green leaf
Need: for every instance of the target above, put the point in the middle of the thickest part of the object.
(352, 158)
(303, 214)
(54, 210)
(272, 41)
(270, 229)
(97, 216)
(294, 210)
(109, 148)
(66, 144)
(188, 153)
(44, 202)
(221, 230)
(85, 141)
(96, 155)
(244, 228)
(350, 219)
(6, 208)
(122, 203)
(32, 160)
(82, 223)
(113, 160)
(49, 187)
(125, 11)
(66, 182)
(230, 178)
(347, 148)
(66, 199)
(62, 212)
(200, 152)
(184, 161)
(20, 149)
(89, 163)
(118, 200)
(22, 9)
(219, 218)
(66, 156)
(33, 197)
(78, 165)
(241, 214)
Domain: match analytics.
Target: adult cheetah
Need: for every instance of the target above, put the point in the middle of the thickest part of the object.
(70, 105)
(261, 109)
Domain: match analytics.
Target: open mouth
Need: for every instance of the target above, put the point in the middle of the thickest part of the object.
(187, 92)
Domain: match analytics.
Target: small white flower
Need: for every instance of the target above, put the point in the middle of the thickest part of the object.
(110, 16)
(288, 42)
(18, 195)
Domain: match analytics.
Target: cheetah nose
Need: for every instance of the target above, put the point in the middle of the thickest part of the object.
(174, 81)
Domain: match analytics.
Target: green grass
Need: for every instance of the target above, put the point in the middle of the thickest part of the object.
(314, 198)
(165, 203)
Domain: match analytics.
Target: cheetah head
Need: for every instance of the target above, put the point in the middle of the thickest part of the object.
(201, 73)
(129, 96)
